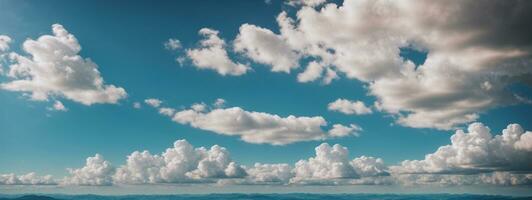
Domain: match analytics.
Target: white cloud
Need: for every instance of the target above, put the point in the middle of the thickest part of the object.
(167, 111)
(54, 68)
(476, 151)
(212, 55)
(153, 102)
(27, 179)
(469, 66)
(311, 3)
(4, 42)
(97, 171)
(349, 107)
(330, 163)
(59, 106)
(219, 103)
(264, 46)
(492, 178)
(137, 105)
(270, 173)
(180, 164)
(254, 127)
(172, 44)
(339, 130)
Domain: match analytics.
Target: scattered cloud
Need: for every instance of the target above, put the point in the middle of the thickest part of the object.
(55, 68)
(349, 107)
(311, 3)
(4, 42)
(339, 130)
(172, 44)
(254, 127)
(137, 105)
(263, 46)
(58, 106)
(153, 102)
(212, 55)
(471, 60)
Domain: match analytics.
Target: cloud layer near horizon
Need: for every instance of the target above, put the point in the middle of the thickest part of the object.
(473, 157)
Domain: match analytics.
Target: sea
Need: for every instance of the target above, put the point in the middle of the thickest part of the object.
(294, 196)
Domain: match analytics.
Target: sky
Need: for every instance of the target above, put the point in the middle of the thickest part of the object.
(290, 94)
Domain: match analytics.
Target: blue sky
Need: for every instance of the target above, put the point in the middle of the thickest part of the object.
(126, 41)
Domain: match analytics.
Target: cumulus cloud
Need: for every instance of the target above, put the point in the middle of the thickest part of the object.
(97, 171)
(264, 46)
(27, 179)
(219, 103)
(339, 130)
(471, 60)
(55, 68)
(311, 3)
(254, 127)
(331, 165)
(58, 105)
(270, 173)
(4, 42)
(137, 105)
(476, 151)
(153, 102)
(349, 107)
(172, 44)
(180, 164)
(212, 55)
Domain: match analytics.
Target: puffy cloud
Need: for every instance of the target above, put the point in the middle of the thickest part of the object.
(137, 105)
(339, 130)
(153, 102)
(367, 166)
(4, 42)
(172, 44)
(97, 171)
(167, 111)
(330, 163)
(264, 46)
(270, 173)
(180, 164)
(311, 3)
(349, 107)
(254, 127)
(471, 62)
(27, 179)
(55, 68)
(476, 151)
(59, 106)
(212, 55)
(219, 103)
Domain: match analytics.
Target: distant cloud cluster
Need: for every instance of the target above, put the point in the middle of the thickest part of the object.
(472, 58)
(473, 157)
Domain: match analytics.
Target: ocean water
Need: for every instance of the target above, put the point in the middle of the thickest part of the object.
(267, 197)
